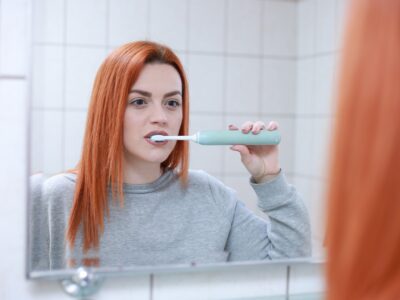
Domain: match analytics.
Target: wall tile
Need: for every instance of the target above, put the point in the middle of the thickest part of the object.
(279, 28)
(244, 27)
(243, 85)
(47, 142)
(128, 21)
(75, 122)
(81, 68)
(305, 91)
(278, 86)
(86, 22)
(306, 278)
(48, 77)
(14, 19)
(306, 19)
(37, 137)
(13, 127)
(253, 282)
(48, 21)
(206, 25)
(321, 145)
(13, 119)
(125, 288)
(325, 26)
(324, 84)
(342, 7)
(304, 145)
(183, 57)
(169, 22)
(206, 83)
(207, 158)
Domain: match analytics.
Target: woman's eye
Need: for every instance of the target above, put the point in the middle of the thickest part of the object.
(173, 103)
(138, 102)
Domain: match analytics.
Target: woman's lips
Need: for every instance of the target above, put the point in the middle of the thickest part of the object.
(148, 136)
(156, 143)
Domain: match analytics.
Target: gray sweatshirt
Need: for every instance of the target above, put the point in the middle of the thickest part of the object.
(161, 223)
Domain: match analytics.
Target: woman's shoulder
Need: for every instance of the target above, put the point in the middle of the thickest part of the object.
(60, 184)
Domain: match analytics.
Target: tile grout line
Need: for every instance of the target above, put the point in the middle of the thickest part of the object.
(151, 286)
(287, 282)
(188, 6)
(28, 146)
(148, 20)
(107, 25)
(64, 83)
(296, 81)
(202, 52)
(261, 64)
(224, 77)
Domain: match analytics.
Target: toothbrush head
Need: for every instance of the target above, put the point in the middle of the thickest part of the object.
(158, 138)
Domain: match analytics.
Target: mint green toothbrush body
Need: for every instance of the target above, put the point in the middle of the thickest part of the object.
(227, 137)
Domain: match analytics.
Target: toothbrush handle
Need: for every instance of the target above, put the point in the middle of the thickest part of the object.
(236, 137)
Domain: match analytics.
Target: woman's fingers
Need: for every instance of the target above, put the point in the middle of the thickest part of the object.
(232, 127)
(247, 126)
(258, 126)
(243, 150)
(272, 125)
(255, 127)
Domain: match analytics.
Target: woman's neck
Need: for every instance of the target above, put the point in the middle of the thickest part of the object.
(141, 173)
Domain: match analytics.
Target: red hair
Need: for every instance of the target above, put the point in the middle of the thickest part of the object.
(100, 165)
(363, 230)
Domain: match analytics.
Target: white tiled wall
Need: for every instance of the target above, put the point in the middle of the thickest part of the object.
(219, 34)
(319, 25)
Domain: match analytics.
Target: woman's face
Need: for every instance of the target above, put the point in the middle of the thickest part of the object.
(154, 107)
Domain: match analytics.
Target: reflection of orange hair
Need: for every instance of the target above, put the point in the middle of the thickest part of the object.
(101, 161)
(363, 238)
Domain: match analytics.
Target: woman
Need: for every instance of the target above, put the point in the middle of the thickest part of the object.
(136, 203)
(364, 197)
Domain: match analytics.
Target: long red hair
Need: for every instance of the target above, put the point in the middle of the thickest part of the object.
(363, 230)
(100, 165)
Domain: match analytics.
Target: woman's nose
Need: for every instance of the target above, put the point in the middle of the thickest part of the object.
(158, 115)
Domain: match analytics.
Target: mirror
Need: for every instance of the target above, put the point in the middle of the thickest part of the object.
(244, 60)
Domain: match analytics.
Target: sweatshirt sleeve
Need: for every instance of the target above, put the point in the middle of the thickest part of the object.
(285, 235)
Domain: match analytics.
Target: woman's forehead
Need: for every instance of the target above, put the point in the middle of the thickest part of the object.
(158, 77)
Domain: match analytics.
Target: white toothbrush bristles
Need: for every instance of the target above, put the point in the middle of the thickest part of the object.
(161, 138)
(158, 138)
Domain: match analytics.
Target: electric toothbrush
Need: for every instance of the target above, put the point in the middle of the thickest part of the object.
(225, 137)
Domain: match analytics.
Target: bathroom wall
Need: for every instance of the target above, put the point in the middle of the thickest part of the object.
(207, 39)
(319, 24)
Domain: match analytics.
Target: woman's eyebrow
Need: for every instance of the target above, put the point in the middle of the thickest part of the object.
(172, 94)
(147, 94)
(144, 93)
